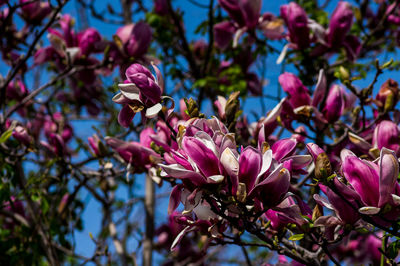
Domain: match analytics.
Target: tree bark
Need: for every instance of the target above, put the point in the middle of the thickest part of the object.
(149, 208)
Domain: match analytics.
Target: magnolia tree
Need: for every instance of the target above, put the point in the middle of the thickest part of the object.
(307, 177)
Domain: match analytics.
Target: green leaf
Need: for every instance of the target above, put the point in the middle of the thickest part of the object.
(7, 134)
(387, 64)
(296, 237)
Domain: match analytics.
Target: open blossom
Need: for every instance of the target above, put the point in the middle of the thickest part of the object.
(376, 183)
(337, 35)
(199, 160)
(271, 26)
(360, 249)
(340, 205)
(68, 46)
(65, 42)
(289, 211)
(140, 92)
(208, 157)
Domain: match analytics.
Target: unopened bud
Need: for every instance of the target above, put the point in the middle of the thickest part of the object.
(241, 192)
(192, 108)
(231, 109)
(323, 168)
(344, 73)
(317, 212)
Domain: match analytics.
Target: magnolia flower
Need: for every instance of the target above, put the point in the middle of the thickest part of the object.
(387, 96)
(65, 43)
(375, 183)
(14, 206)
(161, 7)
(271, 26)
(245, 15)
(197, 215)
(21, 134)
(223, 33)
(34, 11)
(337, 34)
(288, 211)
(360, 249)
(263, 176)
(140, 92)
(134, 153)
(16, 90)
(298, 93)
(55, 145)
(198, 157)
(340, 24)
(386, 135)
(343, 208)
(97, 146)
(243, 12)
(57, 124)
(182, 109)
(334, 104)
(297, 22)
(135, 38)
(220, 103)
(87, 41)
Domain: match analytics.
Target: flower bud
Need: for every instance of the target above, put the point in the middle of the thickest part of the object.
(161, 7)
(35, 11)
(87, 40)
(334, 104)
(386, 135)
(223, 34)
(193, 108)
(124, 33)
(323, 168)
(317, 212)
(298, 93)
(139, 40)
(21, 134)
(231, 109)
(243, 12)
(296, 20)
(340, 24)
(16, 90)
(387, 96)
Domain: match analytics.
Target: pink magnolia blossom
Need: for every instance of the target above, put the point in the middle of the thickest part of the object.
(140, 92)
(297, 22)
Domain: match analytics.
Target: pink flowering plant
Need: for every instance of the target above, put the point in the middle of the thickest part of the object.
(199, 132)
